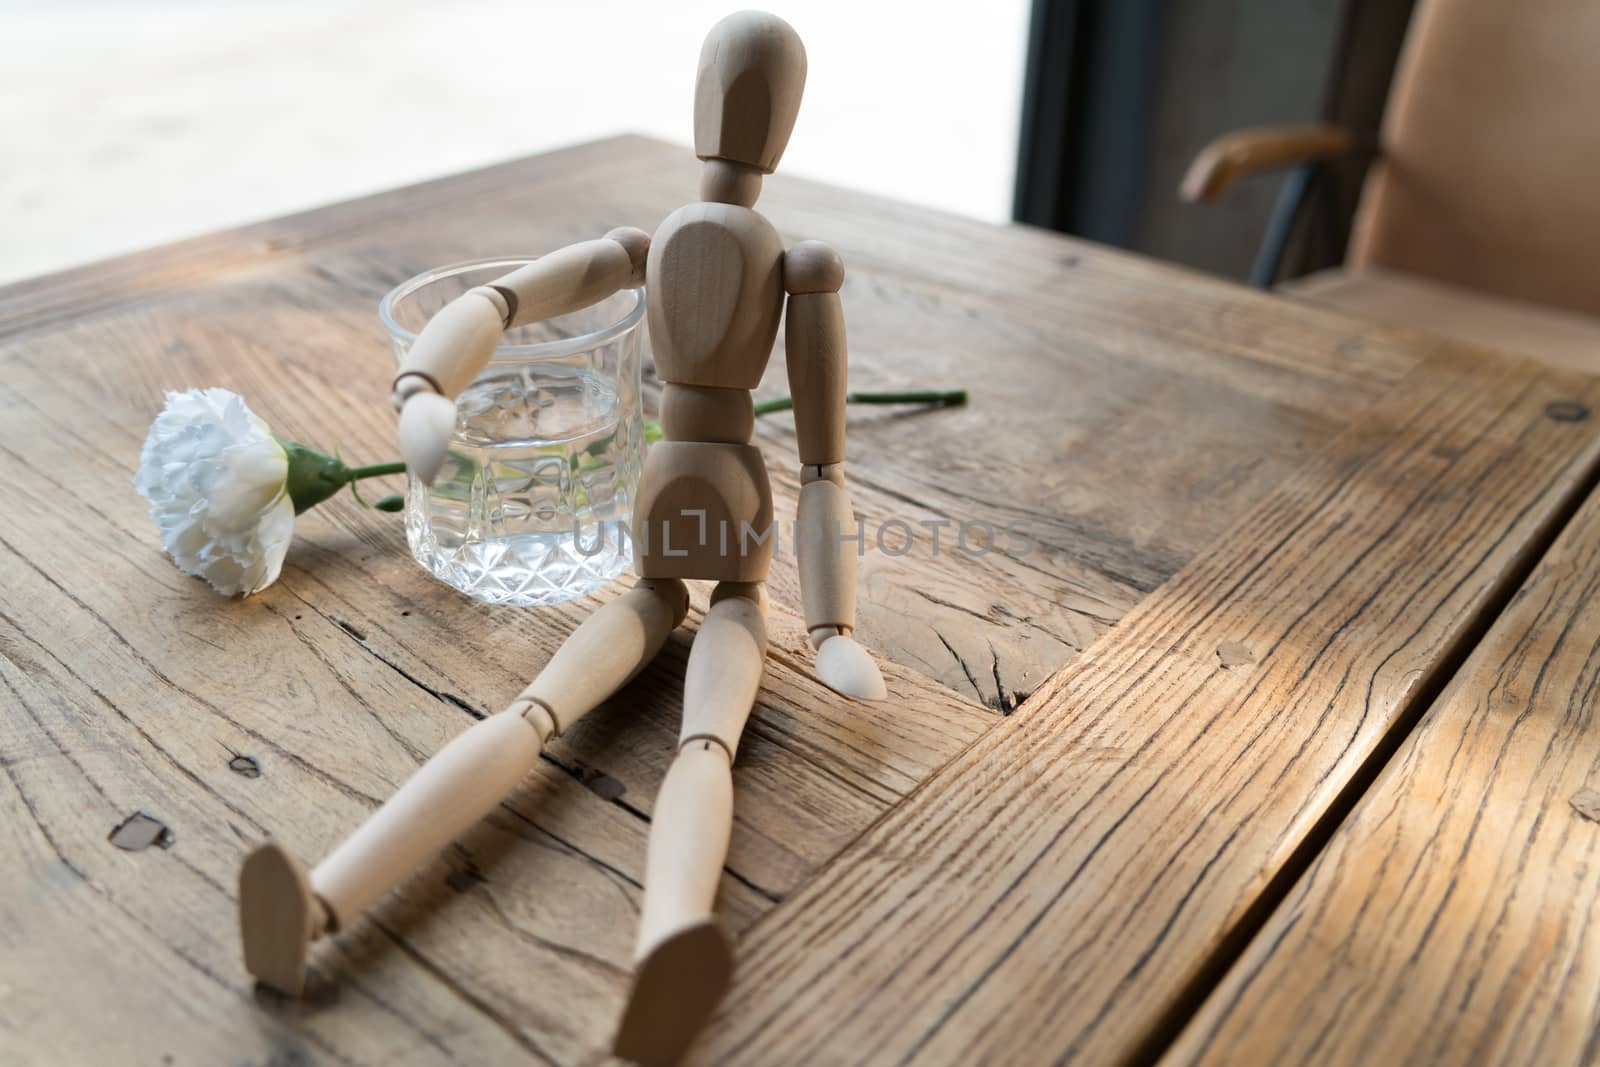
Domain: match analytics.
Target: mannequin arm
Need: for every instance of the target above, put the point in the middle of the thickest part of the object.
(828, 538)
(457, 343)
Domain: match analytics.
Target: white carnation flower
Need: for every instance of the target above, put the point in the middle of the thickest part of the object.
(217, 482)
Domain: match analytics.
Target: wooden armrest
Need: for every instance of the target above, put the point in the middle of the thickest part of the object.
(1234, 155)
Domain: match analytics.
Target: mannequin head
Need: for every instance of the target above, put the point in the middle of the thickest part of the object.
(747, 94)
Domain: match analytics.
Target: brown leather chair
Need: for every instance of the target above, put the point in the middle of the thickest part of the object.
(1480, 216)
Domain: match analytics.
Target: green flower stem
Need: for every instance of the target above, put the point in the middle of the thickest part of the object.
(938, 397)
(943, 398)
(377, 470)
(314, 476)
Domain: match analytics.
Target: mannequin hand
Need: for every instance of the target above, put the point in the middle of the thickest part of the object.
(455, 345)
(426, 422)
(845, 667)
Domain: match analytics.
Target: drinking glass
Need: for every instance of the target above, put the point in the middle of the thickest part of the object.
(533, 503)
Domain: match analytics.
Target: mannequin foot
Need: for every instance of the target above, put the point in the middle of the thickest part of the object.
(278, 917)
(675, 989)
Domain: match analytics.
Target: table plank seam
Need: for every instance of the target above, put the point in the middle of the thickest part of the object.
(460, 992)
(1490, 610)
(1082, 353)
(1442, 431)
(1165, 1029)
(1505, 670)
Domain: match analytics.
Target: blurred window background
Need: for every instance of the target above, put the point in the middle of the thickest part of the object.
(132, 123)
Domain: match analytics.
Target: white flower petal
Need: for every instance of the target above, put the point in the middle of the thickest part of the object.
(245, 482)
(272, 540)
(225, 575)
(215, 479)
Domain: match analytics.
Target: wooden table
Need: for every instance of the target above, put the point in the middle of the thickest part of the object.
(1267, 736)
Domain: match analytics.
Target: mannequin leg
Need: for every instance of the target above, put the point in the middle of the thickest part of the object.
(282, 908)
(683, 961)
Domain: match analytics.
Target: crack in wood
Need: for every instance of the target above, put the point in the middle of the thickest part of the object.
(1006, 704)
(145, 662)
(582, 775)
(971, 678)
(461, 992)
(604, 786)
(106, 702)
(360, 638)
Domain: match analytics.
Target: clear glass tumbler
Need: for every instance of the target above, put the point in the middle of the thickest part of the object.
(533, 504)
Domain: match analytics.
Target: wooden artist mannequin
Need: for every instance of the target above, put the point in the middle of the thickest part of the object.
(718, 280)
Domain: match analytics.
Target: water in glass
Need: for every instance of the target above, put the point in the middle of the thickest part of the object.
(533, 504)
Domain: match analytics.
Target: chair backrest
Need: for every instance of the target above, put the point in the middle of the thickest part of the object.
(1489, 174)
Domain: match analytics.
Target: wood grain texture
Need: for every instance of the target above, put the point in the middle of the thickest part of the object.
(1145, 407)
(137, 690)
(136, 701)
(1451, 918)
(1050, 895)
(1123, 413)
